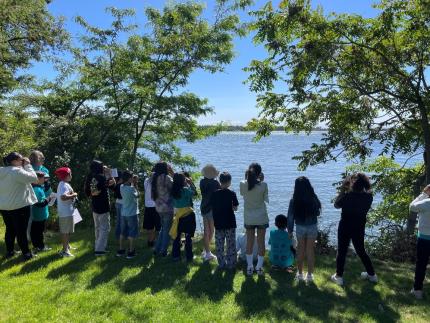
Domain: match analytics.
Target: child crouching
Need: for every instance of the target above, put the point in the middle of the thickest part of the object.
(224, 202)
(281, 255)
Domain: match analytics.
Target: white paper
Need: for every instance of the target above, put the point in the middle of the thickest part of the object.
(114, 172)
(76, 216)
(53, 198)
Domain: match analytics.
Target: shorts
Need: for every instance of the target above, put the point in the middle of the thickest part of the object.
(256, 226)
(129, 226)
(151, 219)
(66, 224)
(307, 231)
(208, 215)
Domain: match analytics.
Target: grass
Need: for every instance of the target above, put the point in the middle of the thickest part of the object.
(89, 289)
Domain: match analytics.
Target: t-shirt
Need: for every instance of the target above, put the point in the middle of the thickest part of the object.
(280, 251)
(39, 210)
(186, 199)
(254, 207)
(65, 208)
(207, 187)
(222, 202)
(100, 202)
(149, 202)
(117, 193)
(355, 206)
(130, 204)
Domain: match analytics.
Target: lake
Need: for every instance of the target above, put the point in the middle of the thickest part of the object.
(234, 151)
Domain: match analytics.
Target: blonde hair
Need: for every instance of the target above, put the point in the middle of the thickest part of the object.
(35, 156)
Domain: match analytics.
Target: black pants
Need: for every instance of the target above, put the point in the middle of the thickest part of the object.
(423, 254)
(186, 225)
(16, 222)
(36, 233)
(355, 232)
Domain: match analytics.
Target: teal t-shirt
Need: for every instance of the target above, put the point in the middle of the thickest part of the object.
(39, 213)
(280, 252)
(186, 199)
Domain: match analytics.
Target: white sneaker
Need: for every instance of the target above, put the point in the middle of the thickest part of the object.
(365, 275)
(250, 271)
(300, 277)
(209, 256)
(338, 280)
(418, 294)
(309, 277)
(65, 254)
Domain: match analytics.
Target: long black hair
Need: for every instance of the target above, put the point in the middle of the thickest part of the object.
(254, 171)
(178, 185)
(96, 168)
(305, 201)
(160, 168)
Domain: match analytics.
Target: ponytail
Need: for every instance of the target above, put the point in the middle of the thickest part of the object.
(253, 173)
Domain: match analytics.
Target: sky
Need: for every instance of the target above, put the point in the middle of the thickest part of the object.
(230, 98)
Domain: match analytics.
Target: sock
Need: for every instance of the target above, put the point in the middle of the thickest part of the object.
(260, 260)
(249, 261)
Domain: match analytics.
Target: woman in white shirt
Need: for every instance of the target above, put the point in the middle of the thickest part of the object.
(255, 196)
(16, 198)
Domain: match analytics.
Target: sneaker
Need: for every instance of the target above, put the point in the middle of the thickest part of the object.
(418, 294)
(309, 278)
(300, 277)
(250, 271)
(28, 256)
(120, 253)
(209, 256)
(72, 248)
(260, 271)
(45, 248)
(131, 254)
(99, 253)
(365, 275)
(336, 279)
(10, 254)
(63, 253)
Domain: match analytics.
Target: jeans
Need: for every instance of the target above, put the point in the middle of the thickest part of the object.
(355, 232)
(176, 247)
(423, 254)
(228, 237)
(163, 239)
(101, 228)
(36, 233)
(16, 222)
(118, 208)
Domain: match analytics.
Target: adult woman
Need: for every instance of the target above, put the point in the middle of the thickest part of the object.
(303, 210)
(255, 196)
(16, 198)
(355, 199)
(96, 187)
(161, 187)
(208, 185)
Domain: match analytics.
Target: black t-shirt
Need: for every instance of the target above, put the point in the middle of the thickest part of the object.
(355, 206)
(207, 187)
(117, 191)
(222, 202)
(100, 202)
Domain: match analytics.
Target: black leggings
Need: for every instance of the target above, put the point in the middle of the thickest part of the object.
(16, 222)
(355, 232)
(423, 254)
(36, 233)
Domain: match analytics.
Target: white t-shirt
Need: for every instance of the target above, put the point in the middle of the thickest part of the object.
(149, 202)
(65, 208)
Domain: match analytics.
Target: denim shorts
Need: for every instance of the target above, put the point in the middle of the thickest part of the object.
(307, 231)
(129, 226)
(256, 226)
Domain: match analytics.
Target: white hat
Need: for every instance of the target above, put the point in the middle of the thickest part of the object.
(209, 171)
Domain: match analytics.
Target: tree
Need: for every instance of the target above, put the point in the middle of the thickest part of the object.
(27, 30)
(365, 79)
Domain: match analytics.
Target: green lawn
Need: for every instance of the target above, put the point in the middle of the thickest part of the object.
(86, 289)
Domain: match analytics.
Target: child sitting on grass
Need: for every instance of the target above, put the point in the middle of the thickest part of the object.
(184, 220)
(224, 202)
(40, 213)
(65, 204)
(281, 256)
(129, 214)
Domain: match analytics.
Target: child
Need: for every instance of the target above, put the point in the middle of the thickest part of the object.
(208, 185)
(224, 202)
(40, 213)
(65, 200)
(184, 220)
(151, 219)
(280, 251)
(129, 214)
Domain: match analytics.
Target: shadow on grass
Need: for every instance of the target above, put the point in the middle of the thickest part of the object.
(213, 285)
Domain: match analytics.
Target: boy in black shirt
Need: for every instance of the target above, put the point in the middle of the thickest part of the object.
(224, 202)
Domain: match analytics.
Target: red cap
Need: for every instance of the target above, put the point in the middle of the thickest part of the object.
(63, 172)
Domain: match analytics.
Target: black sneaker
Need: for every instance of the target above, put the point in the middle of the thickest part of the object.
(120, 253)
(131, 254)
(10, 254)
(28, 256)
(99, 253)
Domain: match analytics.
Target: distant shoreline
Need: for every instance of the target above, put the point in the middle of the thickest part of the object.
(246, 129)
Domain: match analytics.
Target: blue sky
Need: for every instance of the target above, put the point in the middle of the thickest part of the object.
(230, 98)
